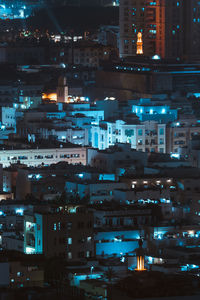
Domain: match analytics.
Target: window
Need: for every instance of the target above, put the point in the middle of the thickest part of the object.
(161, 142)
(140, 132)
(69, 241)
(129, 132)
(75, 155)
(64, 156)
(69, 255)
(48, 156)
(161, 131)
(22, 157)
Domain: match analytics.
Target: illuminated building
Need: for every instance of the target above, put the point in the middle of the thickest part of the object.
(36, 157)
(149, 136)
(180, 136)
(147, 110)
(169, 27)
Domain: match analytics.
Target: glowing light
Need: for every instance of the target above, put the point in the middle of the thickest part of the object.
(30, 250)
(175, 155)
(80, 175)
(163, 111)
(110, 98)
(51, 96)
(156, 57)
(139, 43)
(140, 264)
(19, 211)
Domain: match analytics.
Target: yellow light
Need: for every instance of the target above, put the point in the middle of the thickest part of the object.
(139, 43)
(50, 96)
(140, 264)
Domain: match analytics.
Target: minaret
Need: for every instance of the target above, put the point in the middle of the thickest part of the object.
(62, 90)
(140, 257)
(139, 43)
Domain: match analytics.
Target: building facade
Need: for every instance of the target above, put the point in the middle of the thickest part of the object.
(147, 137)
(48, 156)
(169, 28)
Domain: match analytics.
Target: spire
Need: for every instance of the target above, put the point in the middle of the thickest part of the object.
(139, 43)
(140, 257)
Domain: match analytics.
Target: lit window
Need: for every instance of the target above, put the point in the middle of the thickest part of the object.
(89, 238)
(69, 241)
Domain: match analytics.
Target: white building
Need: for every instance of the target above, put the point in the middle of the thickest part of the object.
(45, 156)
(148, 136)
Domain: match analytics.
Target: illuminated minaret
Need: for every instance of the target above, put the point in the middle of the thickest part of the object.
(139, 43)
(140, 257)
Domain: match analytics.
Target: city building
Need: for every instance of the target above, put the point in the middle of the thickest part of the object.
(119, 158)
(169, 28)
(45, 233)
(148, 136)
(42, 155)
(146, 77)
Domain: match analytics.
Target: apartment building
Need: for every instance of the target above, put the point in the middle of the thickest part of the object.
(42, 156)
(148, 136)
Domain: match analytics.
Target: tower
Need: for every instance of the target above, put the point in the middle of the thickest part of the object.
(139, 43)
(62, 90)
(140, 257)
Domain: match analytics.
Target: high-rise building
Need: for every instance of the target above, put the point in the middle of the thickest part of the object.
(170, 28)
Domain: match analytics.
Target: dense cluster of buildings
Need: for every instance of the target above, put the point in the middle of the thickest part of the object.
(100, 158)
